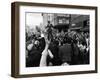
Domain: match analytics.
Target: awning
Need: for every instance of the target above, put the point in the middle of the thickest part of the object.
(61, 26)
(85, 29)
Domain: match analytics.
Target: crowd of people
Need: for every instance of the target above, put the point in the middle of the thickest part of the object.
(57, 48)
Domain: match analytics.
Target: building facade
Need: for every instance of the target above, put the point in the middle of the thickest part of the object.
(67, 21)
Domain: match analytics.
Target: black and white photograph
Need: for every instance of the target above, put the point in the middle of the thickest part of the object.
(51, 39)
(54, 39)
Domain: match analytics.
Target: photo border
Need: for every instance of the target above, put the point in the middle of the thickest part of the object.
(15, 32)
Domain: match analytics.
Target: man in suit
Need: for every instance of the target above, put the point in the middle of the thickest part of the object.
(65, 51)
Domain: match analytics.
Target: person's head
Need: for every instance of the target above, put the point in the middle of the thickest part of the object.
(69, 30)
(75, 41)
(33, 41)
(36, 42)
(67, 40)
(55, 42)
(65, 64)
(48, 22)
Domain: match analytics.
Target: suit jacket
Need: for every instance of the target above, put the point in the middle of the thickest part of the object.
(65, 52)
(54, 48)
(34, 57)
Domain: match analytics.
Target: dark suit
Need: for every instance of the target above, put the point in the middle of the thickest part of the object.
(65, 53)
(54, 48)
(34, 57)
(75, 54)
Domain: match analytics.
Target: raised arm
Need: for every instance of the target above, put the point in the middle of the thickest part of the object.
(43, 60)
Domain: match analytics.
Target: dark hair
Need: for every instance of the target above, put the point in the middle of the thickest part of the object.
(67, 39)
(75, 41)
(42, 43)
(48, 21)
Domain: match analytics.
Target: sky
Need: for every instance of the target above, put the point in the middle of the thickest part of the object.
(33, 19)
